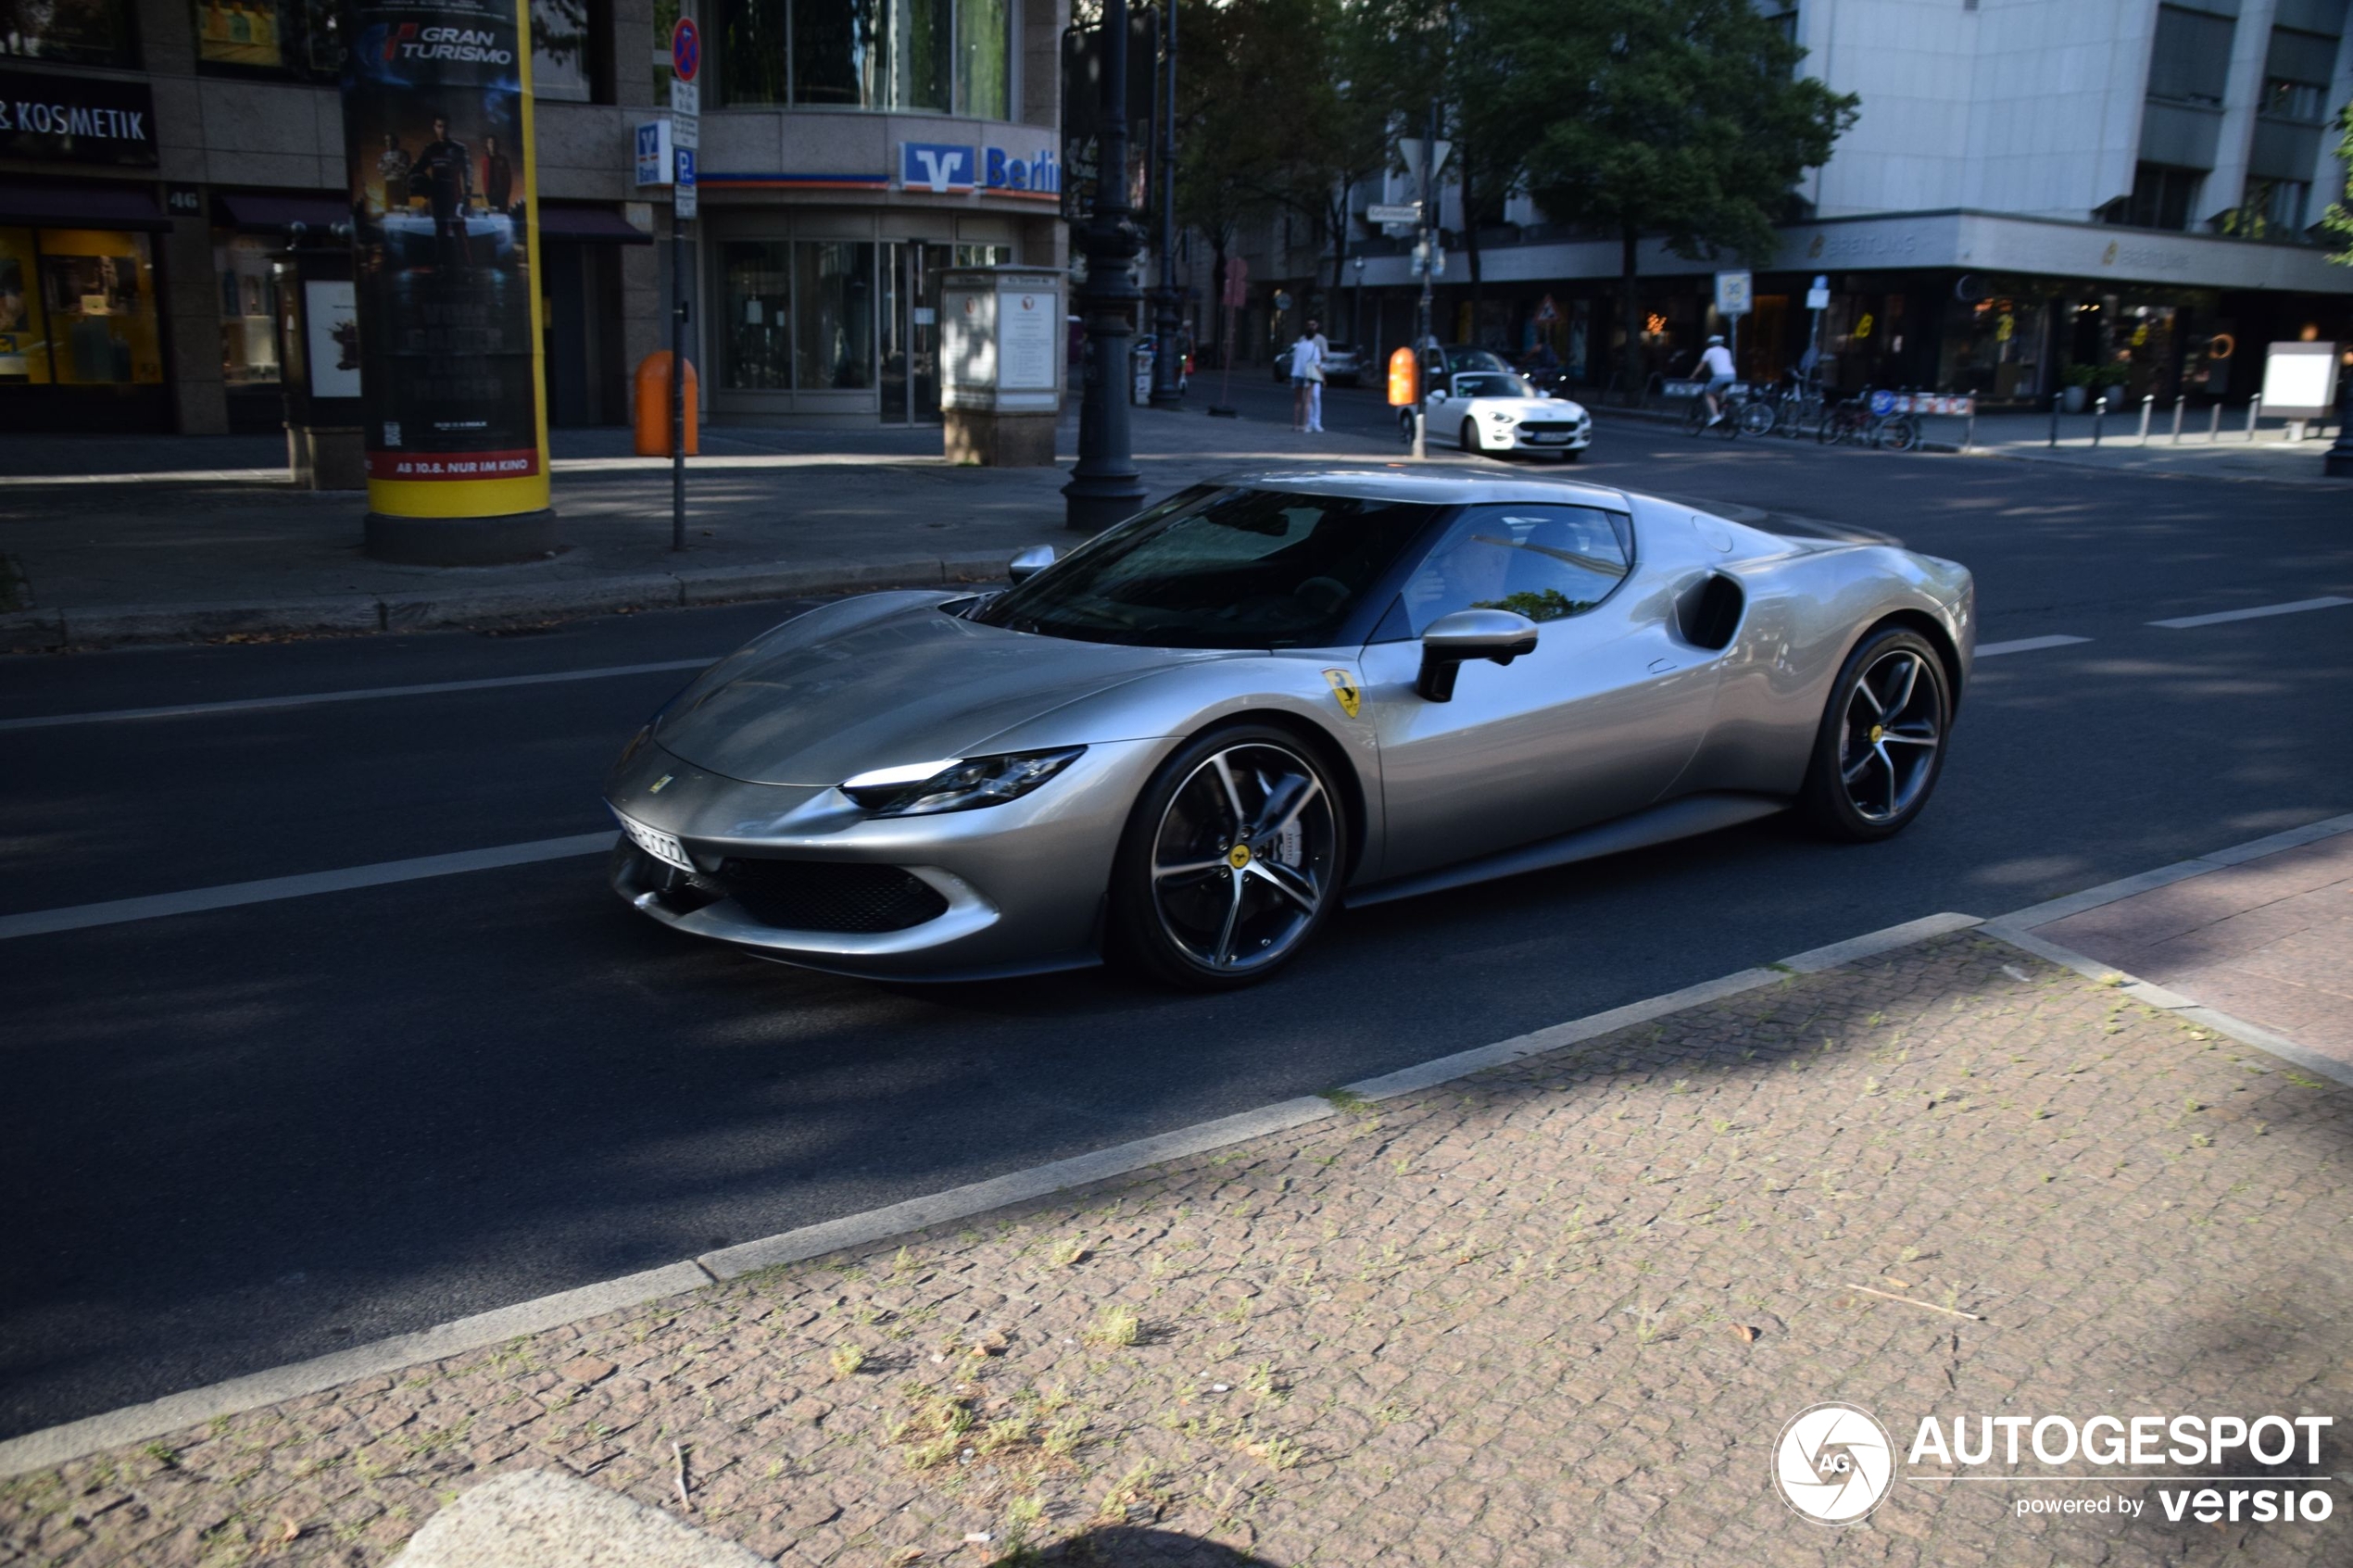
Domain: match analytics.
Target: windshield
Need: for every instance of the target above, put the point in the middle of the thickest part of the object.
(1493, 383)
(1219, 567)
(1462, 358)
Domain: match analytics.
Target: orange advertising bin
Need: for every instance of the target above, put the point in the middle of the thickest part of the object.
(653, 407)
(1405, 374)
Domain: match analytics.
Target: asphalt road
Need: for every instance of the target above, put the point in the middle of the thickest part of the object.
(240, 1137)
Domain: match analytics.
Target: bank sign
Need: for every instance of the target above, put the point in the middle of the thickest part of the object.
(950, 168)
(77, 120)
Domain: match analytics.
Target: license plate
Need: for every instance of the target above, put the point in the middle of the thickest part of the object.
(1548, 436)
(662, 846)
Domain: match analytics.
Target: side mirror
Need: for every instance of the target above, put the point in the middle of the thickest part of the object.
(1542, 392)
(1438, 394)
(1499, 634)
(1030, 562)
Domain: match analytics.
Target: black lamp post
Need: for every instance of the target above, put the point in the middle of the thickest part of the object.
(1168, 360)
(1104, 487)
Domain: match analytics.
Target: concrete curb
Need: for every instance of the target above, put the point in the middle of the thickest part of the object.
(108, 625)
(71, 1440)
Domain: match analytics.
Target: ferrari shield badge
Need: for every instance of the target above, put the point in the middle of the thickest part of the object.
(656, 788)
(1351, 699)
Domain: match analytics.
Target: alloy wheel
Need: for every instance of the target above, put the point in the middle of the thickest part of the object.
(1889, 734)
(1243, 857)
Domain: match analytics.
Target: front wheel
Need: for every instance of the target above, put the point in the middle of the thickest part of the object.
(1468, 439)
(1757, 418)
(1695, 417)
(1231, 861)
(1899, 433)
(1882, 743)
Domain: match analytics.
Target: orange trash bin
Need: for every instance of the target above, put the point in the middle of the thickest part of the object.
(1404, 379)
(653, 407)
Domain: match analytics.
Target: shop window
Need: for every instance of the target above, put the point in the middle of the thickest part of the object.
(78, 308)
(833, 316)
(983, 255)
(563, 40)
(756, 282)
(932, 54)
(298, 38)
(83, 32)
(246, 267)
(1994, 347)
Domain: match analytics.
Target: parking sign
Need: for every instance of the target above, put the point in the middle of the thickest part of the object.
(1734, 294)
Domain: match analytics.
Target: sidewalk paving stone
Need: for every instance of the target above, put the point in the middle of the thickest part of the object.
(1556, 1312)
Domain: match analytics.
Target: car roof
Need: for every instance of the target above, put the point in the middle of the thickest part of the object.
(1401, 481)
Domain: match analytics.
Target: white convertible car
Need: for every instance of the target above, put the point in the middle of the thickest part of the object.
(1498, 411)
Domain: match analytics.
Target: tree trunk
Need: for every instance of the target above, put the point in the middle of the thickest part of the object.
(1632, 373)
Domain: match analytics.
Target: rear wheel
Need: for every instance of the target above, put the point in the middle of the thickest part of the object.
(1899, 433)
(1757, 416)
(1231, 861)
(1882, 743)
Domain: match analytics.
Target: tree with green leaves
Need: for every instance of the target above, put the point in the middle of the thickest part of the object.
(2338, 219)
(1684, 120)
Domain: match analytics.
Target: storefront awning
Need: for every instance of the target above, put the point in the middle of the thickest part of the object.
(81, 206)
(282, 214)
(590, 225)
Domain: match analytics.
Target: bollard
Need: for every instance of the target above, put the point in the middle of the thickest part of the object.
(2214, 425)
(2147, 403)
(2178, 401)
(2099, 414)
(1969, 436)
(2254, 411)
(2055, 403)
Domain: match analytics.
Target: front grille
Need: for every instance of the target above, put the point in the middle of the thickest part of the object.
(830, 895)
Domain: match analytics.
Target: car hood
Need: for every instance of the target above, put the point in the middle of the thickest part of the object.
(1537, 409)
(880, 682)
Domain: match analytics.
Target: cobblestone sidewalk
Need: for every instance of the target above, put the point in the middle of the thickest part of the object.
(1555, 1313)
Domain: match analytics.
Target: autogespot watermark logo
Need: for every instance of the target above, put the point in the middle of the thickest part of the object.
(1834, 1463)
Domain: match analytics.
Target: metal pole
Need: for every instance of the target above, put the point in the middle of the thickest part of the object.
(2214, 424)
(2178, 401)
(2054, 406)
(2099, 414)
(2147, 403)
(1168, 364)
(1429, 257)
(2254, 412)
(1969, 436)
(677, 383)
(1105, 486)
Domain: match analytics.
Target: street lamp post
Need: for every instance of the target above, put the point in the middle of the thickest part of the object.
(1105, 486)
(1356, 312)
(1168, 360)
(1429, 258)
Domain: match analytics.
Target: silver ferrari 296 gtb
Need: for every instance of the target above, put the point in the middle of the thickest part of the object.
(1184, 743)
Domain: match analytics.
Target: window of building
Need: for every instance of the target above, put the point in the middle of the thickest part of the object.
(86, 32)
(248, 308)
(756, 278)
(2272, 209)
(934, 55)
(2190, 60)
(2293, 100)
(563, 40)
(2162, 197)
(1542, 562)
(78, 308)
(299, 38)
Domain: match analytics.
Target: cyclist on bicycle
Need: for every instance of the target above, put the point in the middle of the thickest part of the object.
(1717, 361)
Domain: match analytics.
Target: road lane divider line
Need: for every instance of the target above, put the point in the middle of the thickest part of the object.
(2182, 622)
(366, 693)
(71, 1440)
(118, 911)
(2026, 645)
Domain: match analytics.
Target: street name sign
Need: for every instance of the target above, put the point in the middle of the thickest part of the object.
(1393, 212)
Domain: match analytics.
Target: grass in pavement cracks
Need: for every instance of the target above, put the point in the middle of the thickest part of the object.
(1547, 1313)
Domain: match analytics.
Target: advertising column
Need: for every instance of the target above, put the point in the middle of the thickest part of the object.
(436, 113)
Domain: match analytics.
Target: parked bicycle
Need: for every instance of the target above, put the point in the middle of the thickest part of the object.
(1871, 420)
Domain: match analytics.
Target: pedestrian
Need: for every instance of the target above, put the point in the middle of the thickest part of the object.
(1717, 361)
(1315, 382)
(1306, 368)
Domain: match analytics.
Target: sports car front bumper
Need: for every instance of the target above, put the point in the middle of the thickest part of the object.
(1545, 435)
(803, 875)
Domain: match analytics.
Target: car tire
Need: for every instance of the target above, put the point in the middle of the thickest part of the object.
(1183, 911)
(1881, 747)
(1469, 440)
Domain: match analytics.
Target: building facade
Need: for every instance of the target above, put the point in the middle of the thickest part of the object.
(2035, 191)
(168, 167)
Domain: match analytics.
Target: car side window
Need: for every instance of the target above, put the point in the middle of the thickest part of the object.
(1546, 562)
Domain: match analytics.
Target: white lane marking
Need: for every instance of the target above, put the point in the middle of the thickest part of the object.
(2330, 602)
(2025, 644)
(252, 704)
(116, 911)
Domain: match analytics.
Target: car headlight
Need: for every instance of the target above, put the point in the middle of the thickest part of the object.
(921, 789)
(1501, 416)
